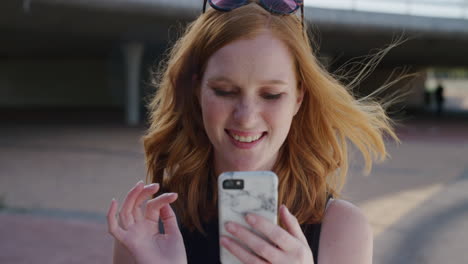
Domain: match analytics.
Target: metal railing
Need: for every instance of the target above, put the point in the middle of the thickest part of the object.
(456, 9)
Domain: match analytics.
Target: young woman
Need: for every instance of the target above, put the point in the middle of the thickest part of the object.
(242, 91)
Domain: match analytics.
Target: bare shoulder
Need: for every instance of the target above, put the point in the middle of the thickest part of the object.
(346, 235)
(344, 215)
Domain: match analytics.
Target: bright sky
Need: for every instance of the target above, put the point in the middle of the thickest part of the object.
(436, 8)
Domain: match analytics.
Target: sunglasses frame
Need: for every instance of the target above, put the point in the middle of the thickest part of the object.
(300, 4)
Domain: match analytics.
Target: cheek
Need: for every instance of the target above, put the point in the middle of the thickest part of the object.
(279, 117)
(214, 112)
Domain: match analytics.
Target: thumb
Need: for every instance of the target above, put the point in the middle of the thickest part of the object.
(291, 224)
(169, 220)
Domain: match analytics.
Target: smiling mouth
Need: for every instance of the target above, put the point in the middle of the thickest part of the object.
(245, 139)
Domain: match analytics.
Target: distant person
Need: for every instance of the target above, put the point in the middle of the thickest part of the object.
(242, 90)
(439, 98)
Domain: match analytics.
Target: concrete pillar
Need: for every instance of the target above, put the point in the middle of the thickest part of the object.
(465, 8)
(133, 53)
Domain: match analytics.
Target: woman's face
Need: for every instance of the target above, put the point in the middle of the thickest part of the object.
(248, 97)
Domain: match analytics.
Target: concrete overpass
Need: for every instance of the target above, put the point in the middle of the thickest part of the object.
(90, 27)
(132, 33)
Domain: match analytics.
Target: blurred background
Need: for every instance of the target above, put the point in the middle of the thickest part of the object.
(74, 80)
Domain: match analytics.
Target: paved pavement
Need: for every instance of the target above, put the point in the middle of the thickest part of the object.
(57, 179)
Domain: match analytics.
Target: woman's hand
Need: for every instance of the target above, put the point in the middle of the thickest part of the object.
(289, 246)
(138, 226)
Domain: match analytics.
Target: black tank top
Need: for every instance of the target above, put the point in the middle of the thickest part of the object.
(203, 249)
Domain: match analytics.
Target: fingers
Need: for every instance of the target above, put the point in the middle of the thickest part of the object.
(273, 232)
(131, 210)
(126, 213)
(241, 253)
(153, 206)
(144, 195)
(254, 242)
(292, 225)
(113, 227)
(169, 220)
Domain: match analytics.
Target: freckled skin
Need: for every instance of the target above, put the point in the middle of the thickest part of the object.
(247, 107)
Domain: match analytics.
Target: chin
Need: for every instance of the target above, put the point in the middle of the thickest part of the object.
(246, 166)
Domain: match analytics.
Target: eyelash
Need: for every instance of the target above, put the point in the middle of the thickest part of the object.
(219, 92)
(272, 96)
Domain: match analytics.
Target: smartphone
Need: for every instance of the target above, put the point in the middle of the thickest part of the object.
(242, 192)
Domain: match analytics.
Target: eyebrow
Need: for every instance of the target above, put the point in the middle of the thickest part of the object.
(226, 79)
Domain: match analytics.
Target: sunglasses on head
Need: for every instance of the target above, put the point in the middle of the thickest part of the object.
(279, 7)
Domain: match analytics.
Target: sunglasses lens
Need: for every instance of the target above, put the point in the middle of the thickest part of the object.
(227, 4)
(281, 6)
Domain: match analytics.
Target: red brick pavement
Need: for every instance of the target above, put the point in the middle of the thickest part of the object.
(30, 238)
(27, 238)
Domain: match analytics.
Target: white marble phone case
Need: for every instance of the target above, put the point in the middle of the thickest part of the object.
(259, 195)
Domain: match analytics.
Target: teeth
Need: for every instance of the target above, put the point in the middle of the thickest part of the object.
(246, 139)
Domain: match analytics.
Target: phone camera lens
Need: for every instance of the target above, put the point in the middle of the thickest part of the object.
(227, 184)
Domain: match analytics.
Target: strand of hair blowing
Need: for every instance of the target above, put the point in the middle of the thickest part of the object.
(315, 158)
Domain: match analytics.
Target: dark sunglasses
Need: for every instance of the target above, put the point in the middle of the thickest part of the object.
(279, 7)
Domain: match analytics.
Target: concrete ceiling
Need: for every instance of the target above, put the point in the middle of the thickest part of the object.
(56, 31)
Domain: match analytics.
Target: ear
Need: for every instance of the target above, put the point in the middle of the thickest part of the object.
(299, 98)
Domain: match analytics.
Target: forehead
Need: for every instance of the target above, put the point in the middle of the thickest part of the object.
(264, 56)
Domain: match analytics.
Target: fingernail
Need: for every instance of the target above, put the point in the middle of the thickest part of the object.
(250, 219)
(167, 194)
(224, 241)
(230, 227)
(152, 185)
(139, 182)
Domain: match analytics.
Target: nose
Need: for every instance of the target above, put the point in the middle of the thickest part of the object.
(246, 112)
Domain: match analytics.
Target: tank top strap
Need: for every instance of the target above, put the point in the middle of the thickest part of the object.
(312, 233)
(330, 199)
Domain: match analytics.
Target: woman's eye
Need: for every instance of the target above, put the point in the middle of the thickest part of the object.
(272, 96)
(220, 92)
